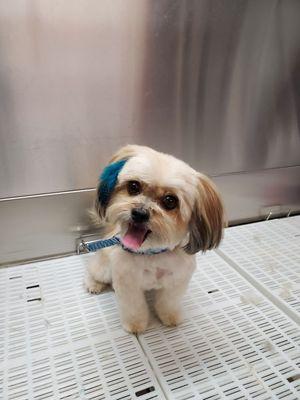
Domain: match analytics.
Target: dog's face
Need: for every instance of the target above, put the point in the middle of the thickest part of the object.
(154, 200)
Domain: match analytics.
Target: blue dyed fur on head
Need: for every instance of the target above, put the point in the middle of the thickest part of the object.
(108, 181)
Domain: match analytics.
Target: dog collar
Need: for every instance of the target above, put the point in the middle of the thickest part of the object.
(148, 252)
(103, 243)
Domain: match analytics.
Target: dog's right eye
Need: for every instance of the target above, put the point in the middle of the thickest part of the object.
(169, 202)
(134, 188)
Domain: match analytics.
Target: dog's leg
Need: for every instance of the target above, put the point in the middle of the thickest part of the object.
(98, 274)
(167, 304)
(133, 307)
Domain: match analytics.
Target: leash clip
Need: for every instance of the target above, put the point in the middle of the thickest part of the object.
(82, 247)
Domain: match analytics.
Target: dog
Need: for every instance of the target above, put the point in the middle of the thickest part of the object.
(163, 212)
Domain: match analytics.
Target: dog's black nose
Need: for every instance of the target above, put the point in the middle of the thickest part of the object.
(140, 215)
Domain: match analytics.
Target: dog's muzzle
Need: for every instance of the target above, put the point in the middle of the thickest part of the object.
(140, 215)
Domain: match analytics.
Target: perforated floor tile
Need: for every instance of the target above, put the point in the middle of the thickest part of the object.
(58, 342)
(269, 252)
(290, 223)
(234, 343)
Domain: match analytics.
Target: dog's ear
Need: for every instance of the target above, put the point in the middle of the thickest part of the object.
(109, 178)
(207, 221)
(107, 183)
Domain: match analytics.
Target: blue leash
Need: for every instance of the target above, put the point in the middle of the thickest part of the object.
(103, 243)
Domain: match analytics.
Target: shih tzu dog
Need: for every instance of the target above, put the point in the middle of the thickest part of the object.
(163, 212)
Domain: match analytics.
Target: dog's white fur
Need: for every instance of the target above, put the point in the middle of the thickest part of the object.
(195, 225)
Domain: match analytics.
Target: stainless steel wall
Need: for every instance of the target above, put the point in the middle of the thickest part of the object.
(214, 82)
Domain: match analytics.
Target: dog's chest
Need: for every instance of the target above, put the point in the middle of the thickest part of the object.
(155, 277)
(160, 271)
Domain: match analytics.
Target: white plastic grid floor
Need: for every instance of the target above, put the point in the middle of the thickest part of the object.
(269, 253)
(58, 342)
(234, 343)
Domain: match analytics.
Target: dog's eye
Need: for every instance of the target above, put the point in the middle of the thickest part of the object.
(169, 202)
(134, 188)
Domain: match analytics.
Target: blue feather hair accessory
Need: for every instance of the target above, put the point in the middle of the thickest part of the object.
(108, 180)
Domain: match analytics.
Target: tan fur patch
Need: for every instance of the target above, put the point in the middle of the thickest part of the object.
(207, 223)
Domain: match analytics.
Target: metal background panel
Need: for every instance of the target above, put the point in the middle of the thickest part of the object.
(70, 75)
(213, 82)
(222, 83)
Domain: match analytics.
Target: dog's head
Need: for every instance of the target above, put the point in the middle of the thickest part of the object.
(154, 200)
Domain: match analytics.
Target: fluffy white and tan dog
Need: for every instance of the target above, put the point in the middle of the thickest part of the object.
(163, 212)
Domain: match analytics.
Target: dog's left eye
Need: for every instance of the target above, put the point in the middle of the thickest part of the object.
(169, 202)
(134, 188)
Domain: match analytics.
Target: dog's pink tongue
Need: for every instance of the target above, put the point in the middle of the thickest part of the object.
(134, 237)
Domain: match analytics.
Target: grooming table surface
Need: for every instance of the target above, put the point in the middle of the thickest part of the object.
(239, 339)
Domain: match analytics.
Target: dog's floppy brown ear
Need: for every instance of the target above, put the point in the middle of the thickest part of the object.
(98, 213)
(207, 221)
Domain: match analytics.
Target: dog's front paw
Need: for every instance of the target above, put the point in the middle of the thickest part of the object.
(135, 326)
(92, 286)
(169, 318)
